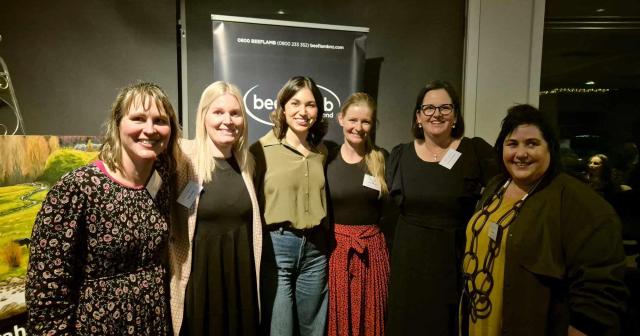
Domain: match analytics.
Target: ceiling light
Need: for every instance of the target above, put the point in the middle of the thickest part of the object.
(590, 83)
(600, 10)
(281, 12)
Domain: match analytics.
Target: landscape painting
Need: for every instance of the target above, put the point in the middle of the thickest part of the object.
(29, 165)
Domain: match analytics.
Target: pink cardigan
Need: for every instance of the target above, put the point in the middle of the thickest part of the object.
(183, 226)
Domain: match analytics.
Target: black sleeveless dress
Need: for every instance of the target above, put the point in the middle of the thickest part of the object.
(221, 294)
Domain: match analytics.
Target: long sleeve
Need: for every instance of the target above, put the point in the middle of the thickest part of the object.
(595, 266)
(51, 291)
(486, 157)
(392, 174)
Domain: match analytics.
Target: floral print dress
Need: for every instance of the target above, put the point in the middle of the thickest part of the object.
(96, 260)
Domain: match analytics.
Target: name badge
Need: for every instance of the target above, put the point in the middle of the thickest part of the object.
(154, 184)
(371, 182)
(494, 231)
(189, 194)
(449, 159)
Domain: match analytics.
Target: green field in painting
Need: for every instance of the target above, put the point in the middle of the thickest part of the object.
(63, 161)
(20, 203)
(17, 219)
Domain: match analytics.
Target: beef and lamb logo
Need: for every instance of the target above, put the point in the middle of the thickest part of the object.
(259, 107)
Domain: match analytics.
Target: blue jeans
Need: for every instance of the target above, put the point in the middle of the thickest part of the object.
(295, 283)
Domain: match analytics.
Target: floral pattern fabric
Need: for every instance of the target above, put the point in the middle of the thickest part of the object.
(96, 259)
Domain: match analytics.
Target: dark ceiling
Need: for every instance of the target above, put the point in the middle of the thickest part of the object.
(590, 40)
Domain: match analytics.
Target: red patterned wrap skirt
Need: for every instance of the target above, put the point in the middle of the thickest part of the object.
(358, 278)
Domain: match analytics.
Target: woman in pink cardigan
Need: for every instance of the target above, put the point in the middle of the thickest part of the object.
(215, 232)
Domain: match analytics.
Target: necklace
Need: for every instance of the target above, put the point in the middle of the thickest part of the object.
(435, 155)
(478, 277)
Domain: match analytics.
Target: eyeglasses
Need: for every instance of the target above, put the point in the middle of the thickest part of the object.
(429, 110)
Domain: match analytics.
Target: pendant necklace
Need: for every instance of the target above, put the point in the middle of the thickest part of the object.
(435, 155)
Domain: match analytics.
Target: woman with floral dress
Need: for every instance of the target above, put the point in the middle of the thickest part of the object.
(98, 243)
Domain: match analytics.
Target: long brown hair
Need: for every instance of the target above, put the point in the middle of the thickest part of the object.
(318, 128)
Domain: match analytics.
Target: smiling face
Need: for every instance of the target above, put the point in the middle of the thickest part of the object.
(436, 124)
(301, 112)
(356, 123)
(224, 123)
(526, 155)
(144, 131)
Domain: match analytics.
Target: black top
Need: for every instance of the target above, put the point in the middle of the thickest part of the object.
(450, 191)
(352, 202)
(224, 202)
(431, 190)
(221, 294)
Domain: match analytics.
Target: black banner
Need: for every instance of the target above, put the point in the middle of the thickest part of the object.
(259, 56)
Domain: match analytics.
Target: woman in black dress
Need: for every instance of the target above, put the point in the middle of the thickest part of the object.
(216, 233)
(435, 180)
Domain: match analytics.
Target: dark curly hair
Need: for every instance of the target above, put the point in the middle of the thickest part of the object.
(525, 114)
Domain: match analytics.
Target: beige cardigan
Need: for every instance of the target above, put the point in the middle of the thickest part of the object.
(183, 226)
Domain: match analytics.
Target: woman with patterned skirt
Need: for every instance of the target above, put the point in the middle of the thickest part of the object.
(359, 263)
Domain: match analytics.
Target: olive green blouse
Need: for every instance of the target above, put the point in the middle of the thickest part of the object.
(290, 186)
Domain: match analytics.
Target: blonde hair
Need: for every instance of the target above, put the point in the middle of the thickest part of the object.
(140, 93)
(373, 158)
(204, 161)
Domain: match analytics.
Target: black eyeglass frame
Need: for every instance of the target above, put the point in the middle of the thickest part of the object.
(440, 108)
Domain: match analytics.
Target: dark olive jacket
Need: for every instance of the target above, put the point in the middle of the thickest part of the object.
(564, 262)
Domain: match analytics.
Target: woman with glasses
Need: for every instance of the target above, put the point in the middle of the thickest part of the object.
(544, 252)
(435, 180)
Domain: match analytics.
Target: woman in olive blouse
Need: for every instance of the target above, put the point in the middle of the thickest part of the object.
(291, 191)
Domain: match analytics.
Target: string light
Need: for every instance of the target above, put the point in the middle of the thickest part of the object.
(573, 90)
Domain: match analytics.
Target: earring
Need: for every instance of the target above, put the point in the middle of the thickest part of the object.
(419, 125)
(453, 126)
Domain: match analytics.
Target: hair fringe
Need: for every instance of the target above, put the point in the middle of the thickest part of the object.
(111, 150)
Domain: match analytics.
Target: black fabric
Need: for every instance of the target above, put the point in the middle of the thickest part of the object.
(435, 205)
(221, 293)
(352, 203)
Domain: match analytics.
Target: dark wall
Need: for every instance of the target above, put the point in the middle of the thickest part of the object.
(68, 59)
(411, 41)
